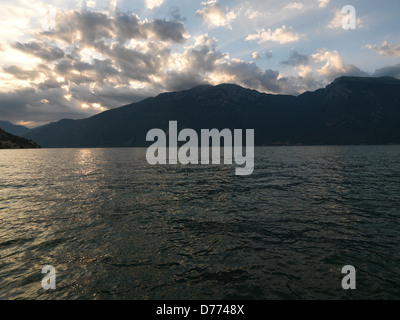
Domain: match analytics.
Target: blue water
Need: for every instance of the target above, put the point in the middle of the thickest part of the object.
(115, 227)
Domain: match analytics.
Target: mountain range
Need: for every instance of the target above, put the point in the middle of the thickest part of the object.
(350, 110)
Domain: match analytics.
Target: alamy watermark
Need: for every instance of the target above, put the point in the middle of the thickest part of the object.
(349, 281)
(49, 281)
(189, 152)
(349, 21)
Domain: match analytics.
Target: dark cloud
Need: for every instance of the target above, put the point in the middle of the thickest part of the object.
(172, 31)
(175, 14)
(203, 60)
(176, 81)
(251, 76)
(351, 71)
(267, 54)
(20, 73)
(85, 27)
(28, 105)
(391, 71)
(50, 84)
(134, 64)
(88, 27)
(128, 27)
(41, 50)
(296, 59)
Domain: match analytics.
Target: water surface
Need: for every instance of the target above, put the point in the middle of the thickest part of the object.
(115, 227)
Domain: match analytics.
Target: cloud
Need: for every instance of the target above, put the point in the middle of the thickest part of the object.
(203, 63)
(267, 54)
(88, 27)
(295, 5)
(41, 50)
(29, 105)
(175, 14)
(248, 74)
(89, 62)
(334, 65)
(282, 35)
(262, 55)
(172, 31)
(23, 74)
(336, 22)
(255, 56)
(386, 49)
(152, 4)
(391, 71)
(215, 15)
(296, 59)
(92, 61)
(323, 3)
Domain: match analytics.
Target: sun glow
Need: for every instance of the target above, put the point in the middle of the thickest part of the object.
(95, 106)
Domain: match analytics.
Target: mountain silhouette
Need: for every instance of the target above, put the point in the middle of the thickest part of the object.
(350, 110)
(10, 141)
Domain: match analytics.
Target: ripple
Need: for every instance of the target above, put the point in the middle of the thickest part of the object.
(116, 228)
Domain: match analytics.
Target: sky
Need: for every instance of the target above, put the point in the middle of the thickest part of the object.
(74, 59)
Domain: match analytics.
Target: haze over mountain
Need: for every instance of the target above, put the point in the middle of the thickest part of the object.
(13, 128)
(351, 110)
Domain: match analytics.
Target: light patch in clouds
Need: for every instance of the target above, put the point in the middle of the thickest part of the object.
(255, 55)
(152, 4)
(215, 15)
(305, 72)
(24, 123)
(253, 14)
(261, 55)
(336, 22)
(295, 5)
(282, 35)
(334, 65)
(95, 106)
(333, 62)
(323, 3)
(16, 19)
(386, 49)
(91, 4)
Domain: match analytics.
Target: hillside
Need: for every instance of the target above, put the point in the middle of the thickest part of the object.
(9, 141)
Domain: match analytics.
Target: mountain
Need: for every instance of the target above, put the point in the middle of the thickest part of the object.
(13, 129)
(9, 141)
(351, 110)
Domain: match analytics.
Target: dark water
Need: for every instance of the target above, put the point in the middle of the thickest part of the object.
(115, 227)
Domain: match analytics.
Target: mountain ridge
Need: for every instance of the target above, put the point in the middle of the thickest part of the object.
(14, 129)
(350, 110)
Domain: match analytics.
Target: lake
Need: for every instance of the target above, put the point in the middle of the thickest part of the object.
(115, 227)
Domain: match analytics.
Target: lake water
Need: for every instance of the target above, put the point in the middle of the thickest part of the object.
(115, 227)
